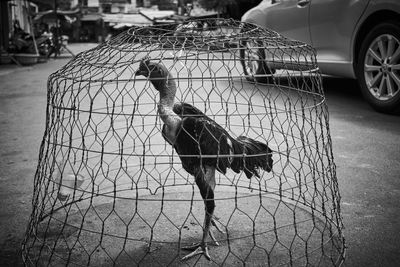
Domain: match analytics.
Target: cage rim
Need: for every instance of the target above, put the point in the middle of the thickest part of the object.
(258, 87)
(279, 194)
(223, 78)
(339, 258)
(229, 23)
(119, 153)
(305, 207)
(184, 182)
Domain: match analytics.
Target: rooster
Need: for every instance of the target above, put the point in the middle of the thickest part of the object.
(203, 146)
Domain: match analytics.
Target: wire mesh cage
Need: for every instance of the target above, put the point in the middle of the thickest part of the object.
(130, 175)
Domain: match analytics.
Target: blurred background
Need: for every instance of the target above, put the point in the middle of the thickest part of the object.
(366, 143)
(43, 28)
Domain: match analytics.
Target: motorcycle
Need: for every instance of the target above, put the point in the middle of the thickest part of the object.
(23, 42)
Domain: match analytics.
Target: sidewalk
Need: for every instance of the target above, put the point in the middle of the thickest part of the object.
(365, 147)
(75, 48)
(23, 91)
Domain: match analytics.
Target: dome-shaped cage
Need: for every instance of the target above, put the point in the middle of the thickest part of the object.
(110, 188)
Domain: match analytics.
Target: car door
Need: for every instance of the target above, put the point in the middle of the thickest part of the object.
(290, 18)
(332, 29)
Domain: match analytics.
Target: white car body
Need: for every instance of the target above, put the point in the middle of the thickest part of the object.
(332, 27)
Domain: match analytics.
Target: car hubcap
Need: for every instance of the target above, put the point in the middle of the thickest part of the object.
(382, 67)
(252, 58)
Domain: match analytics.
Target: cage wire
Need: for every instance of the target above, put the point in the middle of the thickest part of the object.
(110, 190)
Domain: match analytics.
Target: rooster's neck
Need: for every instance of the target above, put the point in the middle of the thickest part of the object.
(167, 88)
(165, 106)
(166, 100)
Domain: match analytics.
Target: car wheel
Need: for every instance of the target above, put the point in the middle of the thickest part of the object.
(378, 67)
(252, 58)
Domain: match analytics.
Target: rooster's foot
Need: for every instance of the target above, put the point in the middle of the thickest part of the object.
(213, 222)
(198, 249)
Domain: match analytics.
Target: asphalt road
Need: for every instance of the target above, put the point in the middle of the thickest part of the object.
(366, 148)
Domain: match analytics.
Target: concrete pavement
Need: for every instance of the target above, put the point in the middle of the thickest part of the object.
(365, 145)
(22, 121)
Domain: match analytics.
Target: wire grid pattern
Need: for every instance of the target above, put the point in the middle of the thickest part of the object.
(109, 190)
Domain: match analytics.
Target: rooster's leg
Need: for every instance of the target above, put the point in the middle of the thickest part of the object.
(205, 180)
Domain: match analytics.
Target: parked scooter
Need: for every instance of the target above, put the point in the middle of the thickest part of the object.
(23, 42)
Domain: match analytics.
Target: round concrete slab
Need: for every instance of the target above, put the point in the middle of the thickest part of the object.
(151, 231)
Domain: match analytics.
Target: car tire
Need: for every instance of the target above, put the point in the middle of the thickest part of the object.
(252, 59)
(378, 65)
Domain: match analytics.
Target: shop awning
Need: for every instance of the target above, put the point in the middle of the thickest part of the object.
(130, 19)
(91, 17)
(136, 19)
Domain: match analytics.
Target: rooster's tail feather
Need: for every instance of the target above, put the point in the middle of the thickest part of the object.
(257, 155)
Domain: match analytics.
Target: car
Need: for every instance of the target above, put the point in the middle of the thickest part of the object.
(357, 39)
